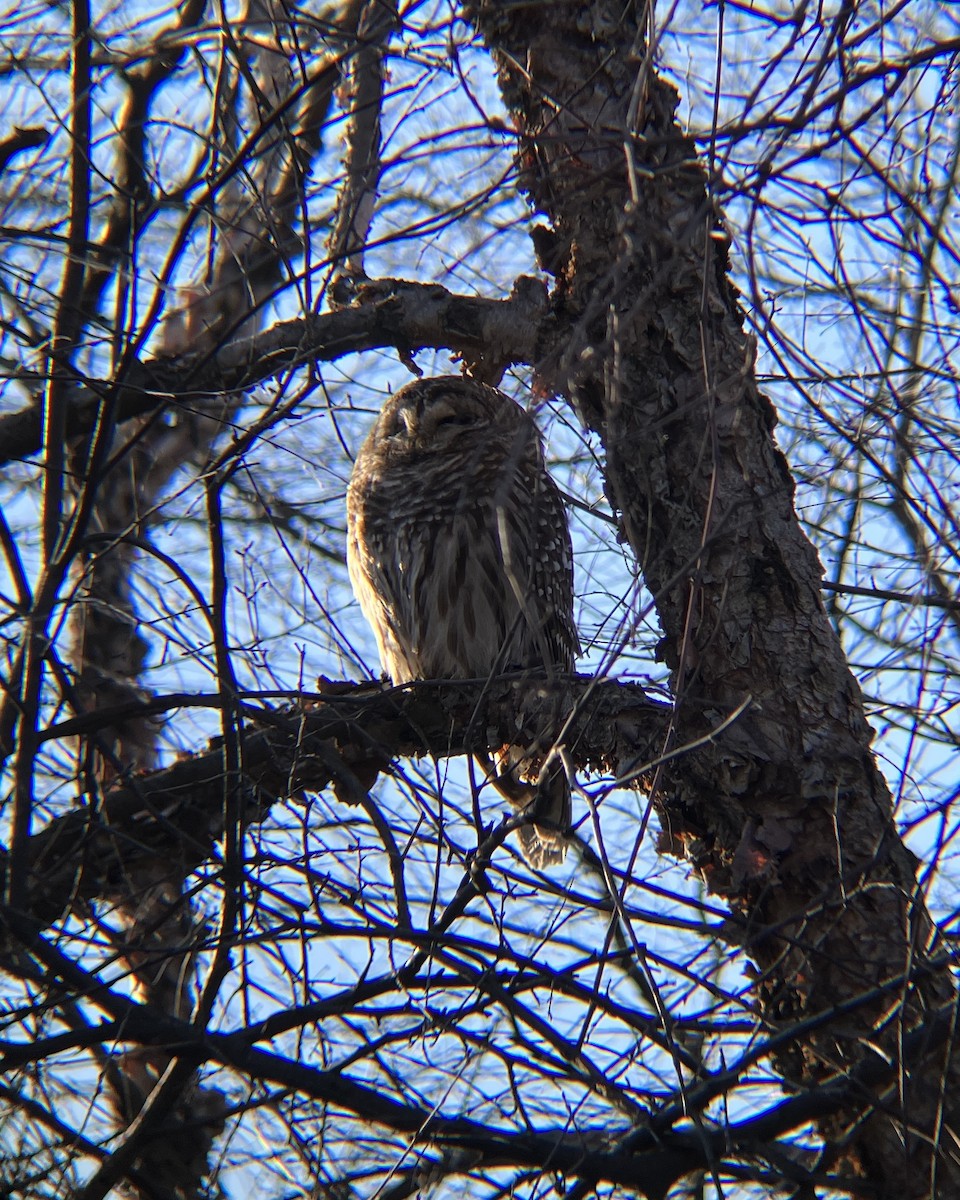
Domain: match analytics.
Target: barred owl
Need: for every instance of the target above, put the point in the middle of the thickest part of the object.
(459, 554)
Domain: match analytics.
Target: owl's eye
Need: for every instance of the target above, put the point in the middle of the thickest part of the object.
(444, 413)
(455, 419)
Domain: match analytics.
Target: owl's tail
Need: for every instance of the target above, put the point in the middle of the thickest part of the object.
(543, 840)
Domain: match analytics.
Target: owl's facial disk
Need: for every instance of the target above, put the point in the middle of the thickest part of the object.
(435, 423)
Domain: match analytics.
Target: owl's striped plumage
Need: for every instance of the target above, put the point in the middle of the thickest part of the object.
(460, 557)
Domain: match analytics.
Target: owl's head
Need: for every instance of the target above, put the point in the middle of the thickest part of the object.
(435, 415)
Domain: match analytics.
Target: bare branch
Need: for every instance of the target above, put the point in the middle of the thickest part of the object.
(388, 313)
(176, 814)
(363, 88)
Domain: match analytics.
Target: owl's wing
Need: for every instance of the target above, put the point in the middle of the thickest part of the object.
(534, 541)
(554, 575)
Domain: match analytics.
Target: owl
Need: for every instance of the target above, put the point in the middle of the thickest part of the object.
(459, 554)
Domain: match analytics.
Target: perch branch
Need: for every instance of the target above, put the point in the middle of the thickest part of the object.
(336, 737)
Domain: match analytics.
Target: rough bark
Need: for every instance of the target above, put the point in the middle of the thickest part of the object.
(793, 825)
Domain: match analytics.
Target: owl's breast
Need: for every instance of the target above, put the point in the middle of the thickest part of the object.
(456, 558)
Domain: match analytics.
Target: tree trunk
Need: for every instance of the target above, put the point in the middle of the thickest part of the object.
(786, 815)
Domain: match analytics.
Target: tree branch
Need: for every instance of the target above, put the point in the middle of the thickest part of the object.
(388, 313)
(343, 737)
(647, 1157)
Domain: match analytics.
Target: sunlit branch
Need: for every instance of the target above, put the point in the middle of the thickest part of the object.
(388, 313)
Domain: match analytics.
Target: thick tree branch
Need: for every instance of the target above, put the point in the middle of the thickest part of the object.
(343, 739)
(363, 88)
(388, 313)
